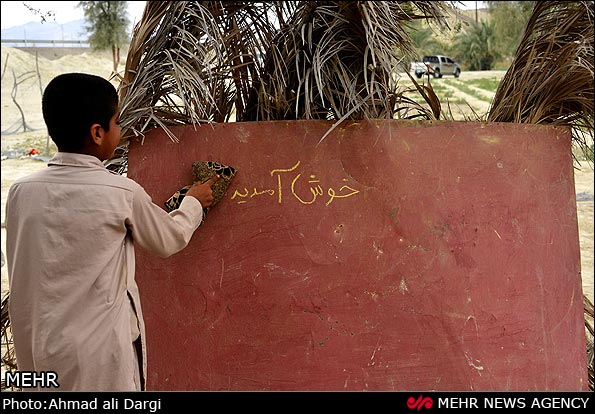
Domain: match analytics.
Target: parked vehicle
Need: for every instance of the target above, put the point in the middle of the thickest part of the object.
(436, 65)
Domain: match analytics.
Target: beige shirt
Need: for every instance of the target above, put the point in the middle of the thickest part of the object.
(70, 230)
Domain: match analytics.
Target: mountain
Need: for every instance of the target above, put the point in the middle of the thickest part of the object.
(74, 30)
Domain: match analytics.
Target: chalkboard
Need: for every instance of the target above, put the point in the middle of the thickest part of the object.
(391, 255)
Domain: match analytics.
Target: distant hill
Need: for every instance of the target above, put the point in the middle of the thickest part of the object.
(73, 30)
(482, 14)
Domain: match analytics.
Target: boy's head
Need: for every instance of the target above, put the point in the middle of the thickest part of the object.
(78, 108)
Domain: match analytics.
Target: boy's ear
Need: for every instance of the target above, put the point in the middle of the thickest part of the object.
(96, 133)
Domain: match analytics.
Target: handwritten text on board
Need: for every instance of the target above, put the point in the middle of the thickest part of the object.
(316, 190)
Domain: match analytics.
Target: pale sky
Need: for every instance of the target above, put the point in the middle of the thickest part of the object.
(14, 13)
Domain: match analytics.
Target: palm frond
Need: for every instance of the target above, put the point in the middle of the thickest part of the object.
(193, 62)
(338, 59)
(169, 69)
(589, 331)
(550, 80)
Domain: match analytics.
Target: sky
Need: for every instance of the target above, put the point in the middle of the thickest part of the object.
(14, 13)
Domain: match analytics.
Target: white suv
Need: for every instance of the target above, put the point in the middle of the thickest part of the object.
(437, 65)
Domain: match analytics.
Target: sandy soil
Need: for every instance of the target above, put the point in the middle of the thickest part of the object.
(21, 68)
(583, 181)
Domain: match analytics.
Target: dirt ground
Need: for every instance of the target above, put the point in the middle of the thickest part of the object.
(21, 69)
(583, 182)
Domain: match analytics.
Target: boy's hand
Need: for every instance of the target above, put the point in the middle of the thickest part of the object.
(202, 191)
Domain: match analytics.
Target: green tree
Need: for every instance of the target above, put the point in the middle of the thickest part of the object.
(477, 47)
(107, 25)
(424, 39)
(510, 19)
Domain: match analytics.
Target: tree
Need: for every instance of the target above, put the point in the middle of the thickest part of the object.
(108, 22)
(477, 47)
(424, 38)
(509, 19)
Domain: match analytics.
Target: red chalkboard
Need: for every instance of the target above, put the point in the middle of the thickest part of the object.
(392, 255)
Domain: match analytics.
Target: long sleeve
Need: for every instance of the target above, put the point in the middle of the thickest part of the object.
(71, 230)
(162, 233)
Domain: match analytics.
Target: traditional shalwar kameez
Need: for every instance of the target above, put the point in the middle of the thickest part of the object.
(74, 303)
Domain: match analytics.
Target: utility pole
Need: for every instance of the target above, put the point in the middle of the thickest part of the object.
(476, 13)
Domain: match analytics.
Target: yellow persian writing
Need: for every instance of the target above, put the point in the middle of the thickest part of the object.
(306, 194)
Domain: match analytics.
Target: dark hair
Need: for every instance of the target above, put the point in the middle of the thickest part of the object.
(72, 102)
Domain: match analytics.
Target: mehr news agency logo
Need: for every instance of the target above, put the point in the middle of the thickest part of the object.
(424, 404)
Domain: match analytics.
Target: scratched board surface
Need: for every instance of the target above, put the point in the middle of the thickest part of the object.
(390, 256)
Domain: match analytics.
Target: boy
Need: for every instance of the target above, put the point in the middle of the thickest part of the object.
(74, 303)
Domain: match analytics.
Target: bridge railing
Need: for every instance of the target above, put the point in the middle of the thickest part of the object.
(44, 43)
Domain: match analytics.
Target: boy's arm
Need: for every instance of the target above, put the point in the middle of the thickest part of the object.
(165, 233)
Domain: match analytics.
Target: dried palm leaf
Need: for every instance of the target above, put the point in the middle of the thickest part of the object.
(588, 312)
(193, 62)
(172, 74)
(9, 361)
(338, 60)
(196, 62)
(551, 77)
